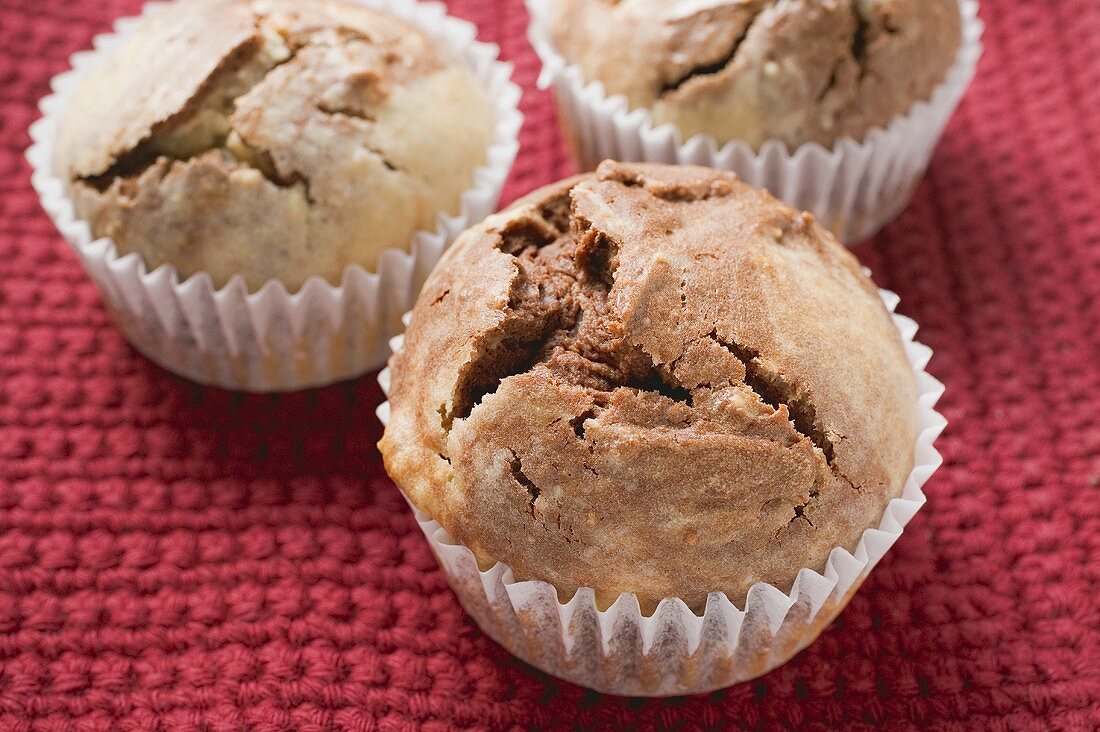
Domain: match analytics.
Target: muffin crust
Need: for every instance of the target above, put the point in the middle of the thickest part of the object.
(754, 70)
(654, 380)
(273, 138)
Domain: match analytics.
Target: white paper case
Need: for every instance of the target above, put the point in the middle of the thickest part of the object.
(271, 340)
(674, 651)
(854, 189)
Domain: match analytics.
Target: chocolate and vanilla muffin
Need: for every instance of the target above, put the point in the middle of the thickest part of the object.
(271, 139)
(656, 380)
(756, 70)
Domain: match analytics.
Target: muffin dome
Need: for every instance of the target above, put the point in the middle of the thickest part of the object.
(755, 70)
(274, 139)
(655, 380)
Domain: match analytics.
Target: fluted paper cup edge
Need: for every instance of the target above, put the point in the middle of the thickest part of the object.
(770, 629)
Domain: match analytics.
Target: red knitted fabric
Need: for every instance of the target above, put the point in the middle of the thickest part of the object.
(181, 558)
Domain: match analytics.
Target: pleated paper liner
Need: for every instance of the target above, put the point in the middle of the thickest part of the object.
(674, 651)
(272, 340)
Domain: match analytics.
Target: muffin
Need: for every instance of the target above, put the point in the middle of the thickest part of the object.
(654, 380)
(259, 190)
(756, 70)
(271, 139)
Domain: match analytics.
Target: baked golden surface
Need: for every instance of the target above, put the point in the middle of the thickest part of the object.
(274, 139)
(655, 380)
(755, 70)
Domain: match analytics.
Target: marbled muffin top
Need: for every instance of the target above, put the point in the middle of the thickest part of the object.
(276, 139)
(754, 70)
(655, 380)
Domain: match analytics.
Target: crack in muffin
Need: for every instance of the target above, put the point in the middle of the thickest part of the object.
(755, 70)
(272, 139)
(654, 380)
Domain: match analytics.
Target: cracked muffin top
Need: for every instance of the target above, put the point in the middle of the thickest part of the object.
(755, 70)
(274, 139)
(656, 380)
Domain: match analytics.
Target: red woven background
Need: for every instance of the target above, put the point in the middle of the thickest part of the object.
(174, 557)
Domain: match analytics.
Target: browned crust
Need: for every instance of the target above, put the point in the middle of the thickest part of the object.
(656, 380)
(798, 71)
(124, 103)
(274, 139)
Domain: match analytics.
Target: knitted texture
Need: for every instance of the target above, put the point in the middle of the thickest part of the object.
(180, 558)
